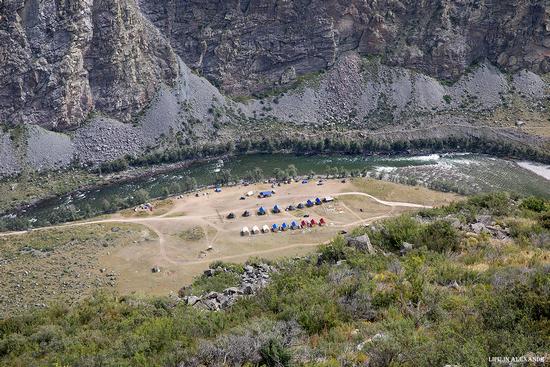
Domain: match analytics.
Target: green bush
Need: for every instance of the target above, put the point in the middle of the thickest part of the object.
(534, 204)
(395, 231)
(496, 203)
(544, 220)
(333, 251)
(275, 355)
(440, 236)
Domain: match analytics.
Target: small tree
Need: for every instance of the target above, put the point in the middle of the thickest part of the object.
(258, 174)
(175, 188)
(292, 171)
(141, 196)
(223, 177)
(105, 205)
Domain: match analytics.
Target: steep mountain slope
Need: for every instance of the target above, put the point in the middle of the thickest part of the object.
(62, 61)
(251, 45)
(362, 70)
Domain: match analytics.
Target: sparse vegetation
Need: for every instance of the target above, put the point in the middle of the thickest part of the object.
(453, 299)
(193, 234)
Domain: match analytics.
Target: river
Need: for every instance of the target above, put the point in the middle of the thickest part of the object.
(464, 173)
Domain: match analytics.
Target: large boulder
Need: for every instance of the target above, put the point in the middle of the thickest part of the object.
(362, 243)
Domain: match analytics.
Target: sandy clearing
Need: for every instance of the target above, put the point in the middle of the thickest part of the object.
(181, 260)
(384, 202)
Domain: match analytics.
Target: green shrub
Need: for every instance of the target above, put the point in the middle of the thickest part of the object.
(534, 204)
(440, 236)
(333, 251)
(496, 203)
(544, 220)
(275, 355)
(449, 272)
(393, 232)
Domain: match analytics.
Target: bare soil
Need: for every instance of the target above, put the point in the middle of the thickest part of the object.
(189, 233)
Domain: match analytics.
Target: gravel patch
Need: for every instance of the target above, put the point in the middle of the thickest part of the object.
(48, 150)
(105, 139)
(482, 88)
(529, 84)
(162, 117)
(9, 164)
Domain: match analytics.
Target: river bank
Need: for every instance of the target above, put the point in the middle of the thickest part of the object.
(463, 173)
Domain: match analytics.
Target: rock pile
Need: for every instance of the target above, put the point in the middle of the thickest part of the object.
(253, 279)
(495, 230)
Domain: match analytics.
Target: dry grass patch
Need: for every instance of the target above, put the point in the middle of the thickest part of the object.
(196, 233)
(396, 192)
(60, 264)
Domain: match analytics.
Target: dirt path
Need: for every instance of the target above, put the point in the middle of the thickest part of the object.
(208, 221)
(144, 221)
(384, 202)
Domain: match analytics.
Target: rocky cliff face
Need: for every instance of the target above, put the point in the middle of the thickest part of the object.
(92, 66)
(252, 45)
(62, 60)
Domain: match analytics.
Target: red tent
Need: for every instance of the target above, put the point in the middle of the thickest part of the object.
(322, 222)
(313, 222)
(304, 223)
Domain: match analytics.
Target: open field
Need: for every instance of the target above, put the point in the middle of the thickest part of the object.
(187, 234)
(62, 263)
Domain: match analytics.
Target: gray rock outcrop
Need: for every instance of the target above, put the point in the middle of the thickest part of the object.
(362, 243)
(252, 279)
(61, 61)
(252, 45)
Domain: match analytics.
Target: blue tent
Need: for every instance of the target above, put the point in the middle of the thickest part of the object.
(318, 201)
(305, 181)
(218, 189)
(261, 211)
(284, 226)
(276, 209)
(309, 203)
(274, 227)
(266, 194)
(294, 225)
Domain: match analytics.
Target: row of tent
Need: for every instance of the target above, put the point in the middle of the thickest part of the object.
(283, 227)
(309, 204)
(277, 209)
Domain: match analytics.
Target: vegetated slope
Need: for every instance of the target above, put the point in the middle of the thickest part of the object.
(453, 285)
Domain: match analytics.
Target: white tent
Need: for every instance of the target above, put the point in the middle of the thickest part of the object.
(250, 193)
(265, 229)
(328, 199)
(245, 231)
(255, 230)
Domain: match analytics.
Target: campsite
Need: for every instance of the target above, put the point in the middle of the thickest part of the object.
(191, 231)
(223, 217)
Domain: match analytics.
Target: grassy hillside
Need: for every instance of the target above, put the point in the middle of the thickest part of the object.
(475, 284)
